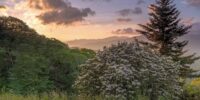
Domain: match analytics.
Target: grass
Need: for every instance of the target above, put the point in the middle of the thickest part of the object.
(53, 96)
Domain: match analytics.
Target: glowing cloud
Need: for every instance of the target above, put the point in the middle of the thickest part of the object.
(59, 12)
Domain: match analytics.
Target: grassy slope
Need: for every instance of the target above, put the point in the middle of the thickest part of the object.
(54, 96)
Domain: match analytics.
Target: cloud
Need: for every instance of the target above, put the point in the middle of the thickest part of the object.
(98, 0)
(60, 12)
(125, 31)
(140, 2)
(195, 3)
(188, 21)
(3, 10)
(124, 20)
(2, 7)
(195, 28)
(128, 12)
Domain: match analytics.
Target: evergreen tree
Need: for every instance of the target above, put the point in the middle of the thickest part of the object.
(163, 30)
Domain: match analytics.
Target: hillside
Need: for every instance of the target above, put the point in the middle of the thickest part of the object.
(32, 63)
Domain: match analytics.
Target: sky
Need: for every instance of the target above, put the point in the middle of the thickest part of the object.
(89, 19)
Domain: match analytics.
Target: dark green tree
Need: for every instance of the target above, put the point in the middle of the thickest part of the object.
(7, 61)
(163, 30)
(32, 63)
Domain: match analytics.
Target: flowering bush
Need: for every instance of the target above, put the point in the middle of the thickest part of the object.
(128, 69)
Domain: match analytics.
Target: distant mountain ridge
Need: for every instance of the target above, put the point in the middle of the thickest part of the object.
(98, 44)
(193, 37)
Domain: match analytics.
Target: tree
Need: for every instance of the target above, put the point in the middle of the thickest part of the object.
(164, 28)
(7, 60)
(125, 71)
(32, 63)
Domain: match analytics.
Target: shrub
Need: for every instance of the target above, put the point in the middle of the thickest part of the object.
(192, 90)
(128, 69)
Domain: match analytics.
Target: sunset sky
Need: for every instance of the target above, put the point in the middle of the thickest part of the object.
(89, 19)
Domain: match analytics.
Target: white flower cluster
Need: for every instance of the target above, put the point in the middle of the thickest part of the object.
(128, 69)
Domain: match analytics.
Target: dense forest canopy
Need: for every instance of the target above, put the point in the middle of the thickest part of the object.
(32, 63)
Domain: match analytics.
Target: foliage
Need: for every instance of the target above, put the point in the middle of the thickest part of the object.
(32, 63)
(55, 96)
(196, 82)
(164, 29)
(128, 70)
(192, 90)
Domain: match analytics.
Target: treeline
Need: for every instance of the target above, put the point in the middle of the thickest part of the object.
(32, 63)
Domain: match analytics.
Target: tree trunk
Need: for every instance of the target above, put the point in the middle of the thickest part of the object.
(154, 96)
(154, 93)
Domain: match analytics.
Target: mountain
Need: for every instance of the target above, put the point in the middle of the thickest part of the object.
(193, 37)
(98, 44)
(194, 43)
(193, 46)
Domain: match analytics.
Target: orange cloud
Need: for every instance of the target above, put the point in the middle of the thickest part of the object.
(2, 7)
(59, 12)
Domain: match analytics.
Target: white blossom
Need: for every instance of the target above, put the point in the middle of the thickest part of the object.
(127, 69)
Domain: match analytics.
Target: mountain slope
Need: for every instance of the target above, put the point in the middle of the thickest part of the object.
(31, 63)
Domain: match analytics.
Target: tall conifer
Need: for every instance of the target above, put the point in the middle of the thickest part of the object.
(163, 30)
